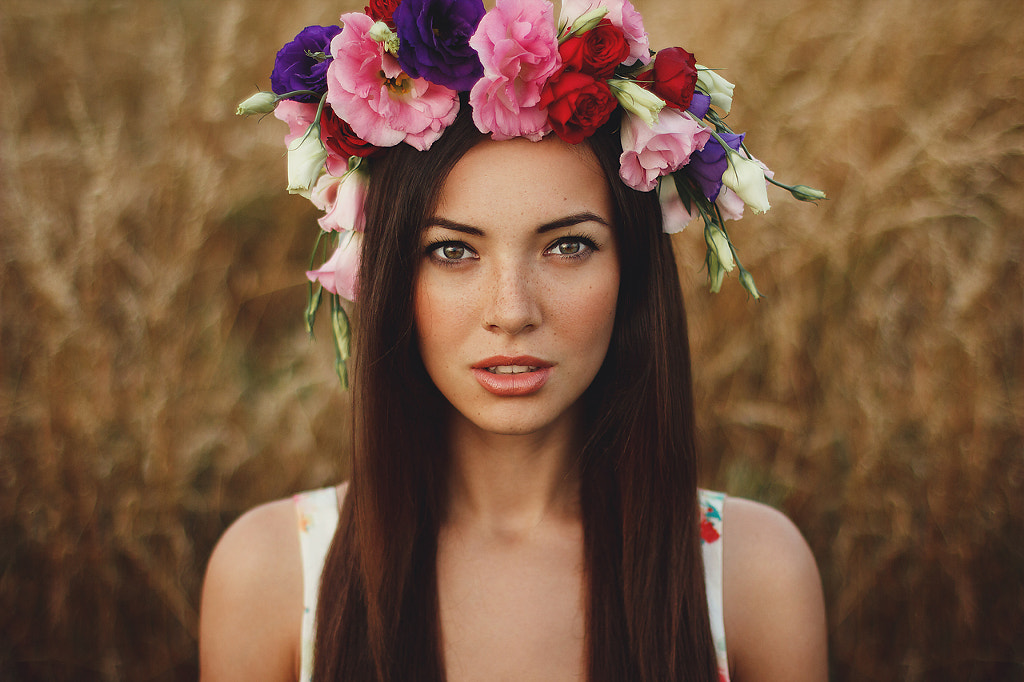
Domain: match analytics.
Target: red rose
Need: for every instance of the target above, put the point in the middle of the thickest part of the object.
(675, 76)
(571, 52)
(577, 104)
(597, 52)
(339, 138)
(382, 10)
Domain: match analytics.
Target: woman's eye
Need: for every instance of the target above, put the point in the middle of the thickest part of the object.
(451, 251)
(570, 247)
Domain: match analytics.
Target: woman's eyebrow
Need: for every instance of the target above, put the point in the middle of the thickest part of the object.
(567, 221)
(452, 225)
(570, 220)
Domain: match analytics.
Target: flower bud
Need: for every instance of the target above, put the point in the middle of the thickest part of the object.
(716, 86)
(585, 22)
(642, 103)
(718, 244)
(306, 158)
(260, 103)
(382, 33)
(746, 177)
(716, 273)
(747, 280)
(805, 193)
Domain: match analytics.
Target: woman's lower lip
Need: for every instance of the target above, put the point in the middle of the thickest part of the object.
(523, 383)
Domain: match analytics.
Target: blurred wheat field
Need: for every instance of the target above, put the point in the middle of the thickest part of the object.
(157, 381)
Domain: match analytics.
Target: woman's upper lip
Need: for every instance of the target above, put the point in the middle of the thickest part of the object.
(508, 360)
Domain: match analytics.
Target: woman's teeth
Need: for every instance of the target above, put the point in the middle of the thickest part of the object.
(511, 369)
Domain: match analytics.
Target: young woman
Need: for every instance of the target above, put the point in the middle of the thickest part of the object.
(523, 503)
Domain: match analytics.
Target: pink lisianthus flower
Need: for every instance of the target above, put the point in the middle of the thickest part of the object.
(298, 115)
(622, 14)
(674, 216)
(342, 198)
(497, 109)
(729, 204)
(306, 152)
(339, 275)
(518, 48)
(648, 152)
(384, 105)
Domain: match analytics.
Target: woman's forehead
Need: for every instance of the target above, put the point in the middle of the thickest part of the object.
(521, 176)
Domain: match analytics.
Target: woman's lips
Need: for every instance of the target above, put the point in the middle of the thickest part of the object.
(512, 376)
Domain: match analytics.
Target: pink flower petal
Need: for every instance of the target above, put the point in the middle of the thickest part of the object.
(339, 275)
(384, 106)
(648, 152)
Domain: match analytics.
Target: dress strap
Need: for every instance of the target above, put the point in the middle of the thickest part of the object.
(711, 528)
(317, 513)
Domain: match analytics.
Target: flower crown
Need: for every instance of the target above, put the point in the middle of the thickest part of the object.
(394, 73)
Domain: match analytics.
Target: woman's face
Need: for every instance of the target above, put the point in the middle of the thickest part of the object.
(517, 284)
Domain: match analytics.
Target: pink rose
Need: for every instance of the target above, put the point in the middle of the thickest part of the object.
(339, 275)
(518, 48)
(342, 198)
(384, 105)
(648, 152)
(622, 14)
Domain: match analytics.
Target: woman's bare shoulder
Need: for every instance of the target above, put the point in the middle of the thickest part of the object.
(774, 607)
(251, 616)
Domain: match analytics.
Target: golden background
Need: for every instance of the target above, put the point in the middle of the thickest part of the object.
(157, 381)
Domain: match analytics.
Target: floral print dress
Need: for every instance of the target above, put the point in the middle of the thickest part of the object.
(317, 513)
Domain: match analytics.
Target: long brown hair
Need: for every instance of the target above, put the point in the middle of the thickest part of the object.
(647, 617)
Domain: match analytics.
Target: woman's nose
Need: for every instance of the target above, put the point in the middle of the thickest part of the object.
(510, 305)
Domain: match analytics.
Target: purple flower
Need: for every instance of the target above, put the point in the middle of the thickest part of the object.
(434, 41)
(707, 165)
(302, 63)
(700, 104)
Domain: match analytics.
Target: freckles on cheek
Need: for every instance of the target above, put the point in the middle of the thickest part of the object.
(435, 314)
(592, 310)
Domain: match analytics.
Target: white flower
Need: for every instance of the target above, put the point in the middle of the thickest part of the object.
(642, 103)
(746, 177)
(716, 86)
(306, 157)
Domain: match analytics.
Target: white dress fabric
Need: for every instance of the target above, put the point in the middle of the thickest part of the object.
(317, 513)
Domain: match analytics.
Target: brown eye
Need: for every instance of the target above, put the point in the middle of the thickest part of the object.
(575, 247)
(450, 252)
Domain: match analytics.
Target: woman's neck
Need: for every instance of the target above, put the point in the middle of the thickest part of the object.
(508, 485)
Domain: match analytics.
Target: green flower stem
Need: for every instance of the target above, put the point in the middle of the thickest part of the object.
(342, 339)
(294, 93)
(313, 297)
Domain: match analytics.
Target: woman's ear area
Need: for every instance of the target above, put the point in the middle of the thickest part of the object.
(774, 605)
